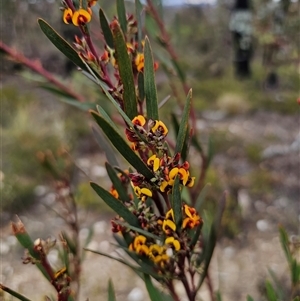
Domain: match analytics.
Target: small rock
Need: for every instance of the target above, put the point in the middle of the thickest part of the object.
(136, 294)
(4, 248)
(49, 199)
(83, 234)
(93, 245)
(262, 225)
(40, 190)
(229, 252)
(244, 201)
(98, 171)
(100, 227)
(260, 206)
(53, 256)
(104, 246)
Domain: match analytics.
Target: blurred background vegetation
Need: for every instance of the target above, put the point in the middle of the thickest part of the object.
(34, 119)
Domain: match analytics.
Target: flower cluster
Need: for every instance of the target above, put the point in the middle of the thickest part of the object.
(79, 16)
(169, 241)
(148, 139)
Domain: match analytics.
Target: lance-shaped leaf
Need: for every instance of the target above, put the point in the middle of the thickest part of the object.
(285, 244)
(149, 82)
(184, 151)
(139, 230)
(121, 145)
(122, 15)
(271, 293)
(13, 293)
(106, 29)
(249, 298)
(61, 44)
(153, 292)
(125, 69)
(143, 268)
(106, 147)
(184, 124)
(117, 183)
(70, 243)
(111, 291)
(176, 202)
(26, 242)
(141, 86)
(116, 205)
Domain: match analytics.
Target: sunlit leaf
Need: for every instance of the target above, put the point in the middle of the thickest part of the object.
(61, 44)
(126, 73)
(153, 292)
(176, 202)
(122, 15)
(141, 86)
(106, 29)
(149, 82)
(116, 205)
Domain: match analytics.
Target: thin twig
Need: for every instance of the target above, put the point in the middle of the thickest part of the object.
(38, 68)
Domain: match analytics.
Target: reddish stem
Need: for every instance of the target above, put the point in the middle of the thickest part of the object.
(37, 67)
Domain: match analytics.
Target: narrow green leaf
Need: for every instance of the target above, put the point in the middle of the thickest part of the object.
(61, 44)
(141, 86)
(111, 291)
(114, 258)
(126, 73)
(116, 205)
(13, 293)
(184, 151)
(176, 202)
(295, 271)
(26, 242)
(184, 124)
(122, 146)
(144, 268)
(139, 230)
(285, 244)
(196, 235)
(71, 244)
(218, 296)
(104, 114)
(249, 298)
(106, 29)
(123, 195)
(138, 15)
(149, 82)
(202, 196)
(106, 147)
(122, 15)
(271, 293)
(153, 292)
